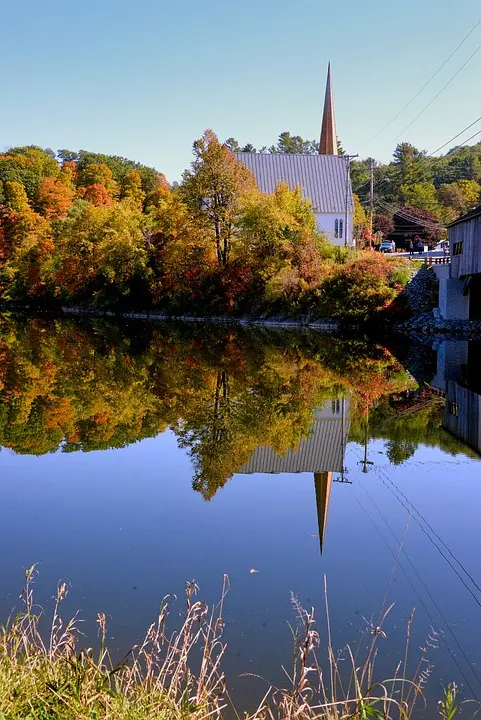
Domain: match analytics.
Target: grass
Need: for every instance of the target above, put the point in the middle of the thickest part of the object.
(179, 675)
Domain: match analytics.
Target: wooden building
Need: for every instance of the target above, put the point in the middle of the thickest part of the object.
(459, 379)
(460, 282)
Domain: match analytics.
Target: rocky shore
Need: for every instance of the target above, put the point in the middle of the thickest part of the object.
(427, 325)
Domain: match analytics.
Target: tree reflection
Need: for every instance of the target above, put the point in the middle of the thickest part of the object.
(79, 386)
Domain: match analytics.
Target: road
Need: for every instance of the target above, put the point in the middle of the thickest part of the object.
(420, 256)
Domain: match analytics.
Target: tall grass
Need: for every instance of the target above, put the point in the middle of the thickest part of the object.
(45, 676)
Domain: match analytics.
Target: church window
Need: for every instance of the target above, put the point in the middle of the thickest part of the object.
(336, 229)
(341, 228)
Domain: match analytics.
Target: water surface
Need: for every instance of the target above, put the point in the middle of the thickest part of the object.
(137, 457)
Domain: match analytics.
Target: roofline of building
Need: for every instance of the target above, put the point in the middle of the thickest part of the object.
(467, 216)
(240, 152)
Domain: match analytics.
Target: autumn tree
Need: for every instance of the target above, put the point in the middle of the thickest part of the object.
(180, 252)
(97, 194)
(100, 250)
(158, 193)
(213, 187)
(54, 198)
(132, 189)
(99, 174)
(451, 197)
(27, 245)
(27, 166)
(383, 224)
(278, 240)
(471, 193)
(360, 220)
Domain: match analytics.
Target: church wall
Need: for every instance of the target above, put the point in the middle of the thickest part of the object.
(326, 223)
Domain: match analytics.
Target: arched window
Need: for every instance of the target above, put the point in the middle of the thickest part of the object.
(341, 228)
(336, 229)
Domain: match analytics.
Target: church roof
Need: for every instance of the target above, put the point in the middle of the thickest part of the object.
(328, 142)
(322, 177)
(322, 451)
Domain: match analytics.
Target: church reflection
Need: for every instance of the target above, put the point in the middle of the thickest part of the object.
(458, 378)
(322, 453)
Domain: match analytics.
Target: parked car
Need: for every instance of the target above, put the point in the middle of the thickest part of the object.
(385, 247)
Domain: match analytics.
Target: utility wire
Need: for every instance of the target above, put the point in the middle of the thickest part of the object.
(428, 81)
(426, 609)
(456, 136)
(472, 136)
(406, 216)
(474, 596)
(438, 93)
(423, 519)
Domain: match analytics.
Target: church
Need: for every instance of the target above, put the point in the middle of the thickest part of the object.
(324, 177)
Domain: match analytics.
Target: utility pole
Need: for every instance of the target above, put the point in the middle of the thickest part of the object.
(348, 177)
(371, 197)
(366, 462)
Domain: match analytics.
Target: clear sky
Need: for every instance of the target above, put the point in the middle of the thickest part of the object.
(144, 78)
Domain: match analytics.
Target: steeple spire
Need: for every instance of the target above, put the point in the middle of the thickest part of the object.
(328, 143)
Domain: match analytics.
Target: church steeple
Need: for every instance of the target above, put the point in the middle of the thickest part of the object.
(328, 143)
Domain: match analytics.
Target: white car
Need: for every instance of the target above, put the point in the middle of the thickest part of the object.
(386, 247)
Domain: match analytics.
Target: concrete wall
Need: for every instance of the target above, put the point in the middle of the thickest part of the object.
(453, 304)
(326, 224)
(452, 356)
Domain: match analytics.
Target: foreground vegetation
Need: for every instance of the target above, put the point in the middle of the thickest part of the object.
(46, 676)
(98, 231)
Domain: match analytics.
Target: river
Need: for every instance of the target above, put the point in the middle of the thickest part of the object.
(136, 457)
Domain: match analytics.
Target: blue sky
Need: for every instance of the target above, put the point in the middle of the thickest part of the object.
(143, 79)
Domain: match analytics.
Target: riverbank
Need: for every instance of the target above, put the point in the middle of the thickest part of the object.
(427, 325)
(47, 675)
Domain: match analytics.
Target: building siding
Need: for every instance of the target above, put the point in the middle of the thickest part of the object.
(469, 233)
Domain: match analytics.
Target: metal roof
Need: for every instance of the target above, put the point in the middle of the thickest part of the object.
(322, 177)
(322, 451)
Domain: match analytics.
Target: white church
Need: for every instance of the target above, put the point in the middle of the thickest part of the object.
(324, 178)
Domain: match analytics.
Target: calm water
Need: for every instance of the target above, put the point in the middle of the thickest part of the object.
(135, 458)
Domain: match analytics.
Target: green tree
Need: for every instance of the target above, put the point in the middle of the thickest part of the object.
(410, 165)
(421, 195)
(232, 144)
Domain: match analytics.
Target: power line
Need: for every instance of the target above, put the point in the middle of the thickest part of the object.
(426, 609)
(472, 136)
(406, 216)
(438, 93)
(428, 81)
(456, 136)
(432, 530)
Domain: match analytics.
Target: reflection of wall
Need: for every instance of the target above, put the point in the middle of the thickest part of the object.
(458, 377)
(462, 414)
(452, 357)
(322, 453)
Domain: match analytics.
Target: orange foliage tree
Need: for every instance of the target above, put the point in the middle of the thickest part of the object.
(54, 198)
